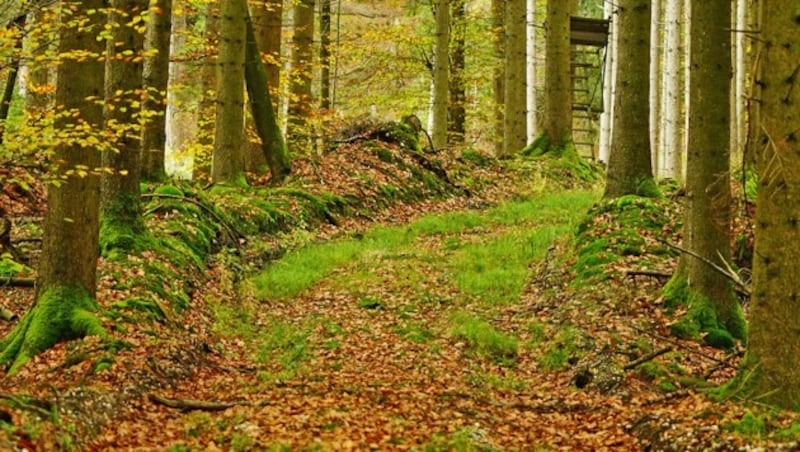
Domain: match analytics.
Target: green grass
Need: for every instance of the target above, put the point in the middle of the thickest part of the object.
(484, 339)
(559, 351)
(497, 270)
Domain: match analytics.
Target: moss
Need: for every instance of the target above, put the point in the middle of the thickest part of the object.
(169, 190)
(749, 425)
(122, 228)
(60, 313)
(701, 316)
(648, 188)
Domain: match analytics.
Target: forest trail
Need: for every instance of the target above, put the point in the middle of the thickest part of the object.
(440, 334)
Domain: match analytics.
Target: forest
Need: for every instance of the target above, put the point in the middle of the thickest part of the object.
(470, 225)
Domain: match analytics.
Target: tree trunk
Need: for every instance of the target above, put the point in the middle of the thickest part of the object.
(609, 85)
(268, 26)
(770, 372)
(11, 76)
(499, 71)
(37, 90)
(67, 269)
(228, 160)
(629, 165)
(269, 131)
(515, 136)
(670, 144)
(201, 169)
(655, 80)
(300, 99)
(120, 209)
(738, 122)
(457, 116)
(530, 69)
(441, 74)
(325, 55)
(708, 294)
(558, 81)
(155, 79)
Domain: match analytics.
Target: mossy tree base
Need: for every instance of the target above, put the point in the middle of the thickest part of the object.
(701, 317)
(60, 313)
(121, 225)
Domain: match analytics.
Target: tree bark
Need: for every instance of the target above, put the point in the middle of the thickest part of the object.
(499, 72)
(629, 165)
(272, 143)
(299, 133)
(670, 145)
(268, 26)
(201, 168)
(228, 160)
(609, 85)
(155, 80)
(457, 115)
(515, 133)
(67, 270)
(770, 370)
(530, 68)
(325, 55)
(558, 95)
(441, 74)
(120, 209)
(655, 80)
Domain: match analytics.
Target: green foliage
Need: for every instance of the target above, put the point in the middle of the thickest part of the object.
(561, 349)
(484, 339)
(10, 267)
(750, 424)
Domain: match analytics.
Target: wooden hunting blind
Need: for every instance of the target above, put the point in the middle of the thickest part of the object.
(589, 32)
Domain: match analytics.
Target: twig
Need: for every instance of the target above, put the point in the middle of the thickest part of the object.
(644, 272)
(26, 405)
(678, 344)
(733, 277)
(647, 357)
(17, 282)
(190, 404)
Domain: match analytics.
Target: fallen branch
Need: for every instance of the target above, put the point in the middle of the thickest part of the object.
(7, 314)
(643, 272)
(647, 357)
(728, 274)
(190, 404)
(35, 405)
(17, 282)
(680, 345)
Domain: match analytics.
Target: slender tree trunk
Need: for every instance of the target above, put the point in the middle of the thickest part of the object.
(300, 100)
(11, 77)
(558, 94)
(515, 137)
(629, 165)
(155, 79)
(609, 85)
(120, 210)
(201, 168)
(325, 54)
(269, 131)
(441, 74)
(67, 269)
(738, 123)
(655, 80)
(770, 372)
(268, 27)
(457, 116)
(181, 123)
(499, 72)
(530, 67)
(228, 161)
(670, 144)
(38, 83)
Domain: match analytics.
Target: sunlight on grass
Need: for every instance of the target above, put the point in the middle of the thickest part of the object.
(484, 339)
(497, 270)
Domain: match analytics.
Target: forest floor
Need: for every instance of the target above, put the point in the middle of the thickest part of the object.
(449, 324)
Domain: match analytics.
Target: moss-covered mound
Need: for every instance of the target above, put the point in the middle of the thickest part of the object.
(623, 232)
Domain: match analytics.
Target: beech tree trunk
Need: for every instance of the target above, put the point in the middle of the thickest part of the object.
(155, 79)
(609, 85)
(441, 74)
(120, 210)
(655, 80)
(770, 372)
(530, 67)
(268, 26)
(325, 55)
(629, 165)
(300, 101)
(558, 79)
(228, 159)
(515, 132)
(67, 270)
